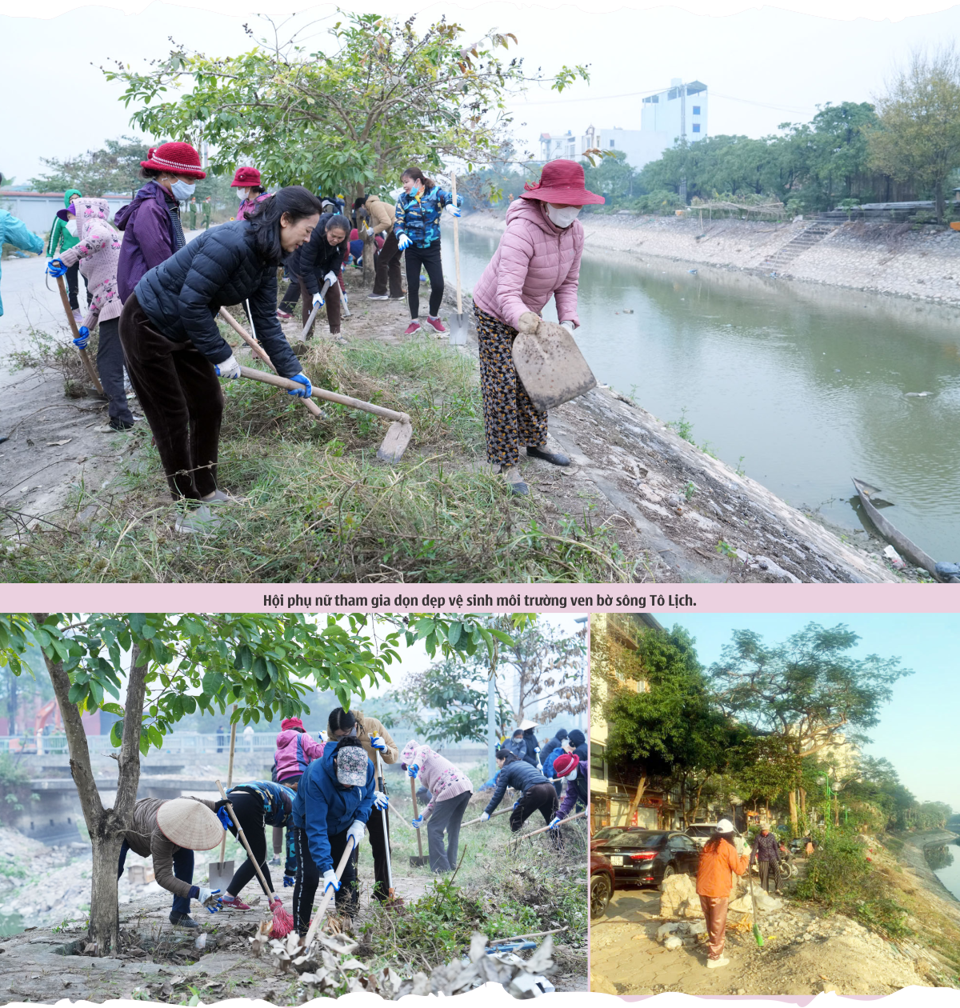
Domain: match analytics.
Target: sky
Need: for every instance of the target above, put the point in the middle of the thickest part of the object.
(919, 730)
(763, 66)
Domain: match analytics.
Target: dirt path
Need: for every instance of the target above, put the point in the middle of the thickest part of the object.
(803, 953)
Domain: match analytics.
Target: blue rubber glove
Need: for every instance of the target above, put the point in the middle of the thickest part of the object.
(418, 822)
(380, 800)
(404, 241)
(224, 816)
(230, 368)
(413, 770)
(56, 268)
(330, 881)
(378, 743)
(452, 210)
(288, 880)
(210, 898)
(303, 393)
(555, 823)
(81, 341)
(318, 300)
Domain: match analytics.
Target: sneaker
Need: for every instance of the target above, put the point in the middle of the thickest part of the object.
(377, 297)
(717, 963)
(197, 521)
(554, 458)
(412, 328)
(233, 903)
(182, 920)
(116, 426)
(219, 497)
(513, 479)
(398, 297)
(284, 316)
(436, 325)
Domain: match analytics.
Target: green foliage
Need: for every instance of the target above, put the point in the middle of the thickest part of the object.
(917, 136)
(111, 169)
(683, 427)
(356, 111)
(841, 879)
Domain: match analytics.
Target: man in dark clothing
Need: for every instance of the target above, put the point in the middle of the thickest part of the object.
(577, 743)
(766, 852)
(531, 753)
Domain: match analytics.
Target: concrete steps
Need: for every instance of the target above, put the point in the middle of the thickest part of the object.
(807, 238)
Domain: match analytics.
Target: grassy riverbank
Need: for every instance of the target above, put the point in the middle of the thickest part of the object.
(317, 505)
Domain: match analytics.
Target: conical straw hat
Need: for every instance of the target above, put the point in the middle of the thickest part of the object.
(189, 824)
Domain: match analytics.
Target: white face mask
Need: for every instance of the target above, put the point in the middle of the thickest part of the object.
(181, 190)
(572, 775)
(72, 228)
(562, 218)
(243, 194)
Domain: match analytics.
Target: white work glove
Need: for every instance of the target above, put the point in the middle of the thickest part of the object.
(331, 277)
(210, 898)
(330, 882)
(484, 817)
(317, 300)
(377, 742)
(380, 800)
(568, 326)
(356, 831)
(555, 822)
(452, 210)
(228, 368)
(322, 737)
(404, 241)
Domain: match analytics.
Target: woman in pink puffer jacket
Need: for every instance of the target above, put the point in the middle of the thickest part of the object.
(538, 258)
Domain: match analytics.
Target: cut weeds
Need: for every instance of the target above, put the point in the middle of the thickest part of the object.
(317, 505)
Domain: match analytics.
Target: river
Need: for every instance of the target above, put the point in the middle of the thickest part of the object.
(802, 386)
(945, 862)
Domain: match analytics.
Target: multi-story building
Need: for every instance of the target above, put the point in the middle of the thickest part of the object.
(562, 146)
(679, 113)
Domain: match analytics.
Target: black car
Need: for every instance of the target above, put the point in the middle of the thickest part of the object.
(646, 856)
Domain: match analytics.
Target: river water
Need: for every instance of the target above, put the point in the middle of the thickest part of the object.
(945, 862)
(802, 385)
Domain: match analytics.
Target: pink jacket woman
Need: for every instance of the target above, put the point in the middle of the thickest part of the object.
(98, 252)
(438, 775)
(295, 750)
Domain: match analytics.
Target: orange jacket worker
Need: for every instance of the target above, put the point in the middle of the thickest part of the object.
(714, 881)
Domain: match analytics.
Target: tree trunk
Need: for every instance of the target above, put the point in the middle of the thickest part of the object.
(635, 802)
(793, 810)
(939, 202)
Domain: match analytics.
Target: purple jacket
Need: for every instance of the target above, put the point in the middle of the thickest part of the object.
(147, 236)
(576, 791)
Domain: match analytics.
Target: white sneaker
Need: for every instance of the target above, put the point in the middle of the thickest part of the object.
(197, 521)
(717, 963)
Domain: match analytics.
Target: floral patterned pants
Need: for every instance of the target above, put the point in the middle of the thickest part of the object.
(509, 416)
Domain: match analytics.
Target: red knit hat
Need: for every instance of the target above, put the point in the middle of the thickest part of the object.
(175, 157)
(291, 722)
(561, 181)
(246, 177)
(565, 763)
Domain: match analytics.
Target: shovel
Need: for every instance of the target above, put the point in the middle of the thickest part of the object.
(220, 873)
(398, 434)
(313, 314)
(417, 862)
(258, 351)
(551, 366)
(458, 331)
(391, 895)
(84, 356)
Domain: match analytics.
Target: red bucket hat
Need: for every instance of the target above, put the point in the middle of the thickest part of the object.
(565, 763)
(246, 177)
(175, 157)
(561, 182)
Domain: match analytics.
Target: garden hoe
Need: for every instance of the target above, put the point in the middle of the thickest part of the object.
(398, 433)
(391, 895)
(220, 873)
(282, 920)
(458, 331)
(473, 822)
(84, 356)
(313, 314)
(417, 861)
(551, 366)
(258, 351)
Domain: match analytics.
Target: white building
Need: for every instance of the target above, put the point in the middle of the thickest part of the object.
(563, 146)
(639, 146)
(680, 112)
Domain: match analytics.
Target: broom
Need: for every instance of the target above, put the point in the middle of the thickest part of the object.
(282, 920)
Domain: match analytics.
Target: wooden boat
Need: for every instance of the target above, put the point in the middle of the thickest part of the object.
(904, 546)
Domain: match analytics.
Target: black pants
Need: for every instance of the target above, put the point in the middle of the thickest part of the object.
(181, 398)
(769, 870)
(446, 817)
(110, 367)
(542, 797)
(182, 869)
(429, 259)
(248, 808)
(72, 278)
(387, 267)
(309, 877)
(378, 843)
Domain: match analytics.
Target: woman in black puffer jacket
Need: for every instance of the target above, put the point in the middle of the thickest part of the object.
(175, 352)
(319, 260)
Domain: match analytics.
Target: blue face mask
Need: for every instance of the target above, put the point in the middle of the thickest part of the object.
(182, 190)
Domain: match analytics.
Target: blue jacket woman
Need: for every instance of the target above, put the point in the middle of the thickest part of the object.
(333, 804)
(418, 231)
(14, 232)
